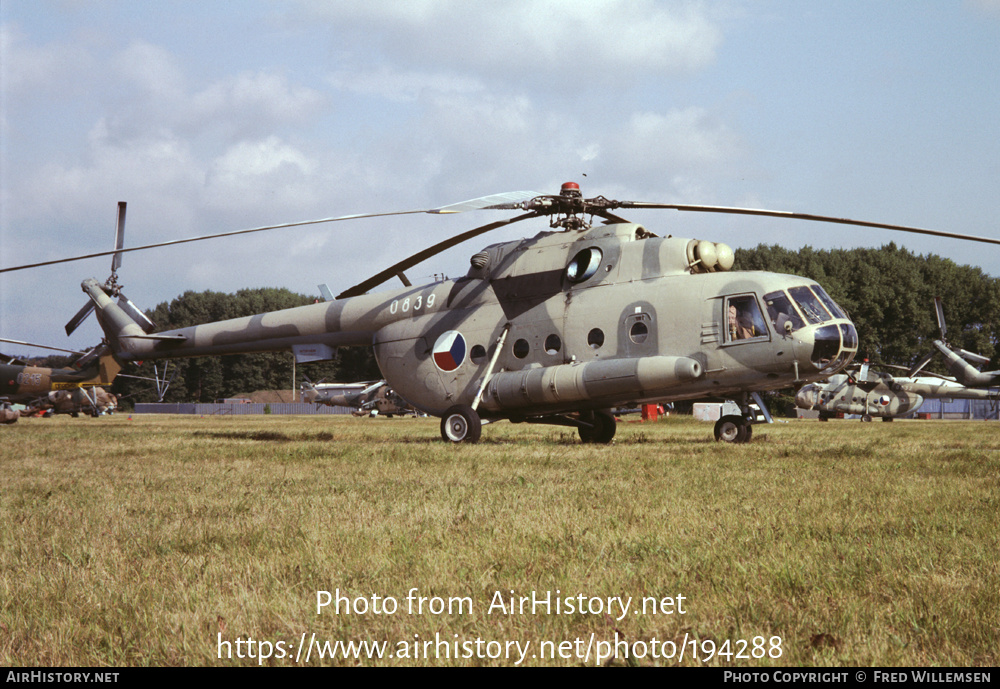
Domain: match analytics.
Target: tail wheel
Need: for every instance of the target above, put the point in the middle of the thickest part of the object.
(461, 424)
(732, 429)
(602, 431)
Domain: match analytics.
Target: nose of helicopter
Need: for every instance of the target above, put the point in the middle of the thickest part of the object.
(805, 398)
(834, 345)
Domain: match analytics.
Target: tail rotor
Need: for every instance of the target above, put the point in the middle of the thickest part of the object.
(111, 286)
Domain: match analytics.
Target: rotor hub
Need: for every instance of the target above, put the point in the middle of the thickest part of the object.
(570, 189)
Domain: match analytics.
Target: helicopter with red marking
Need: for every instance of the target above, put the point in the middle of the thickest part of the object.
(558, 328)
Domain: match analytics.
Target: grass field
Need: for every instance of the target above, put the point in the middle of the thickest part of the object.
(165, 540)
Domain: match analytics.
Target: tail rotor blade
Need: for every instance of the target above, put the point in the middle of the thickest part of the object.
(939, 312)
(116, 260)
(135, 314)
(79, 318)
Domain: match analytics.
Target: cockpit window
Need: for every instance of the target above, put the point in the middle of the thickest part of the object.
(813, 309)
(744, 320)
(781, 311)
(830, 303)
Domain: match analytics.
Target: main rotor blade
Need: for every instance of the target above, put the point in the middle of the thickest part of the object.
(116, 261)
(924, 360)
(804, 216)
(926, 374)
(413, 260)
(40, 346)
(509, 200)
(207, 236)
(499, 201)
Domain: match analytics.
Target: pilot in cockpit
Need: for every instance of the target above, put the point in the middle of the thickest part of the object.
(741, 327)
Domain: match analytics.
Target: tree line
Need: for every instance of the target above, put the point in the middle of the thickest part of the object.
(889, 294)
(206, 379)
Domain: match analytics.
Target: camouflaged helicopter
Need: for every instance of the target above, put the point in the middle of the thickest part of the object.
(870, 393)
(874, 394)
(71, 390)
(367, 399)
(558, 328)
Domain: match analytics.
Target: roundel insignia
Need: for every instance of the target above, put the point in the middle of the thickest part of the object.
(449, 351)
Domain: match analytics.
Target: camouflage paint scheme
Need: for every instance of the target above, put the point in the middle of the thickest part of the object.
(525, 287)
(366, 399)
(67, 390)
(881, 395)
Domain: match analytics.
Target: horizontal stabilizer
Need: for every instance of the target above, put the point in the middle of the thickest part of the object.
(162, 338)
(305, 353)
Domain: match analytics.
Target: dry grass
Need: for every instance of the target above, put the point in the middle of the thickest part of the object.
(138, 542)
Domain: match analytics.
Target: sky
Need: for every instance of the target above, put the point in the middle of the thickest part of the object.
(213, 116)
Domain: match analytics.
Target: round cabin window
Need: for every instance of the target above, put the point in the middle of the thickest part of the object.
(478, 354)
(638, 332)
(521, 348)
(595, 338)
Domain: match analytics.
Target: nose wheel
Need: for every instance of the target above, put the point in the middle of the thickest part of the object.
(461, 424)
(733, 429)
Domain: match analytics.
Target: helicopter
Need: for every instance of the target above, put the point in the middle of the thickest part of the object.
(957, 360)
(367, 399)
(68, 390)
(871, 394)
(558, 328)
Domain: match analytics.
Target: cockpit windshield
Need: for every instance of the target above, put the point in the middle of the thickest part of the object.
(811, 306)
(811, 302)
(830, 303)
(781, 311)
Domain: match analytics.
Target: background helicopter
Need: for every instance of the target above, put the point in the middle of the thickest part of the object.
(957, 360)
(69, 390)
(873, 394)
(366, 398)
(870, 394)
(554, 329)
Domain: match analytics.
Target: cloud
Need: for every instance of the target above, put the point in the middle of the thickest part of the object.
(51, 68)
(157, 93)
(401, 85)
(987, 6)
(567, 43)
(268, 171)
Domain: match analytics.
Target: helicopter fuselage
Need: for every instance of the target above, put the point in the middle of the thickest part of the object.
(882, 395)
(583, 319)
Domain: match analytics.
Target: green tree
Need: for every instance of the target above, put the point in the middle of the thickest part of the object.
(206, 379)
(889, 292)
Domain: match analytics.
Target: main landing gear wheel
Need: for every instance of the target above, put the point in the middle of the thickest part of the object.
(603, 430)
(733, 429)
(461, 424)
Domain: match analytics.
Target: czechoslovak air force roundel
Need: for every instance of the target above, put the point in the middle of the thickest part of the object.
(449, 351)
